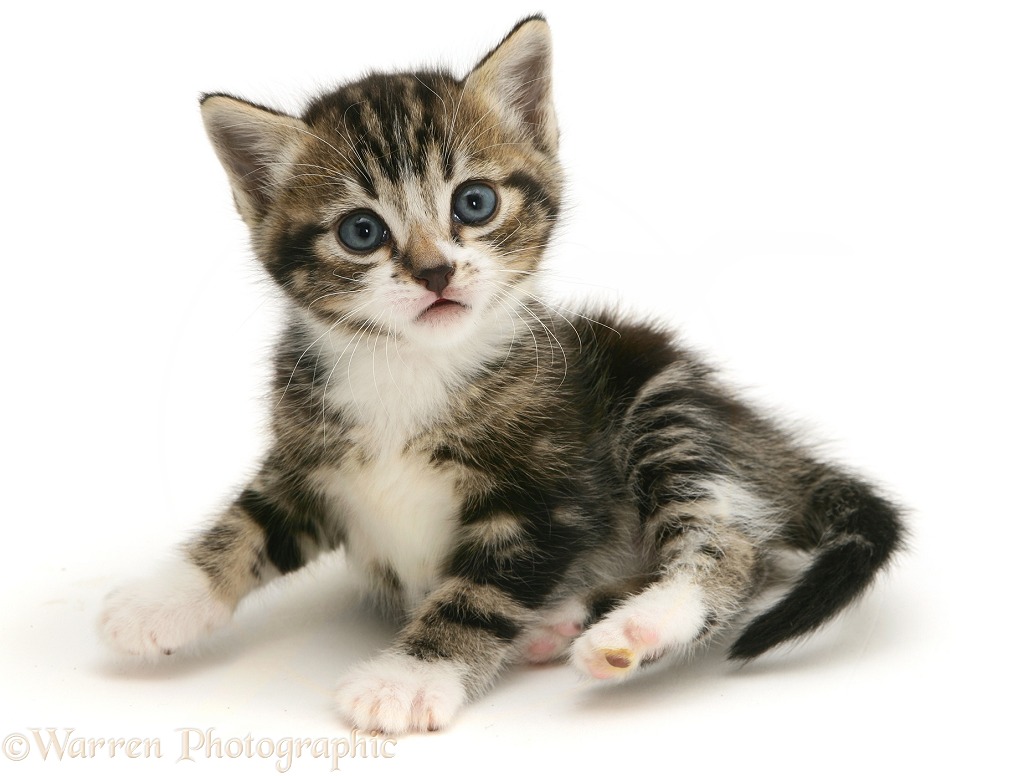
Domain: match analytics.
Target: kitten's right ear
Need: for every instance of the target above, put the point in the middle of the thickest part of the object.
(255, 146)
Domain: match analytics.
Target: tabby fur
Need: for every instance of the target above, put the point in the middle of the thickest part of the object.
(520, 483)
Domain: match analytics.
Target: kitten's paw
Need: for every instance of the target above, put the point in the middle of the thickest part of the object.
(665, 616)
(159, 615)
(399, 694)
(552, 638)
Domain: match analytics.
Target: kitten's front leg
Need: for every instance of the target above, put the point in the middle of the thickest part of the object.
(399, 693)
(265, 532)
(170, 608)
(451, 651)
(501, 575)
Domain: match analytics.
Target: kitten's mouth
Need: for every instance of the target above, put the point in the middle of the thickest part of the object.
(440, 309)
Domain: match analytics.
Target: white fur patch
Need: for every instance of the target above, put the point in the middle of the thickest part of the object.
(162, 613)
(666, 616)
(399, 694)
(735, 504)
(397, 387)
(397, 511)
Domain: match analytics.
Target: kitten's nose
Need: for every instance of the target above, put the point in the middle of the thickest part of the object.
(435, 279)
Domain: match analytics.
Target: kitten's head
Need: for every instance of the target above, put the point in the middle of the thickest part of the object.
(413, 204)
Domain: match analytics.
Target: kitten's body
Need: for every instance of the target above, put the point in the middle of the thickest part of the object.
(511, 478)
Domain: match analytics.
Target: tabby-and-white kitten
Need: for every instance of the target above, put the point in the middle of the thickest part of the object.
(521, 485)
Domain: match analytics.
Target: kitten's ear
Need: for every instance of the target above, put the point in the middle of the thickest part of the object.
(255, 146)
(516, 77)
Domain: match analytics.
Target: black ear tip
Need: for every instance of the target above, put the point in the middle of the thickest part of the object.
(536, 18)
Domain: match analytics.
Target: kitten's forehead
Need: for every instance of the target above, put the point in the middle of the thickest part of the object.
(391, 127)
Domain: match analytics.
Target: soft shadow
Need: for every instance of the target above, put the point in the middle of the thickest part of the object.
(880, 625)
(656, 684)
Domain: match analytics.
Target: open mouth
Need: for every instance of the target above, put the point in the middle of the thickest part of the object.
(440, 308)
(443, 303)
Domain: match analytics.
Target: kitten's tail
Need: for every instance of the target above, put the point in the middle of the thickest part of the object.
(858, 532)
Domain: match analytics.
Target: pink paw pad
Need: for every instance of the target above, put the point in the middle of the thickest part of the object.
(569, 630)
(550, 642)
(542, 650)
(641, 634)
(642, 630)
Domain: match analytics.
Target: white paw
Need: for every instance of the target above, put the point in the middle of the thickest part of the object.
(665, 616)
(551, 639)
(162, 613)
(399, 694)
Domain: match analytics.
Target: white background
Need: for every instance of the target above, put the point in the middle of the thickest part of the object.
(819, 195)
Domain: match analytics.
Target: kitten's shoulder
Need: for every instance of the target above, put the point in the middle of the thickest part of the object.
(623, 353)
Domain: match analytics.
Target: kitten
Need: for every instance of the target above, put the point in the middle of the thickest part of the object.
(518, 483)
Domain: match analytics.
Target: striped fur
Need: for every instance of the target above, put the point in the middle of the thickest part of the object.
(513, 479)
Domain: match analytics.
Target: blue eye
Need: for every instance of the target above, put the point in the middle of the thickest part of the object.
(475, 203)
(362, 232)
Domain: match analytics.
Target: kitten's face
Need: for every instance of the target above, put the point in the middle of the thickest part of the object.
(415, 205)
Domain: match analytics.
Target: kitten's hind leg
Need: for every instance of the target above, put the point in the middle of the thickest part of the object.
(708, 568)
(702, 527)
(550, 640)
(259, 537)
(668, 616)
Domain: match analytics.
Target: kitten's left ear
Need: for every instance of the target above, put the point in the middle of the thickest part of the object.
(516, 77)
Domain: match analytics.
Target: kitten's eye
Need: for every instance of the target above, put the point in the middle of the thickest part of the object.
(475, 203)
(362, 232)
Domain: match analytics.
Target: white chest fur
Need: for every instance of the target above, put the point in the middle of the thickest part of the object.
(397, 509)
(398, 512)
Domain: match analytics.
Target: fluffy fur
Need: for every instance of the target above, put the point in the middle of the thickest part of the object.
(519, 484)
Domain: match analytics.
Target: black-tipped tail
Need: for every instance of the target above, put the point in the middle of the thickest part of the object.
(861, 532)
